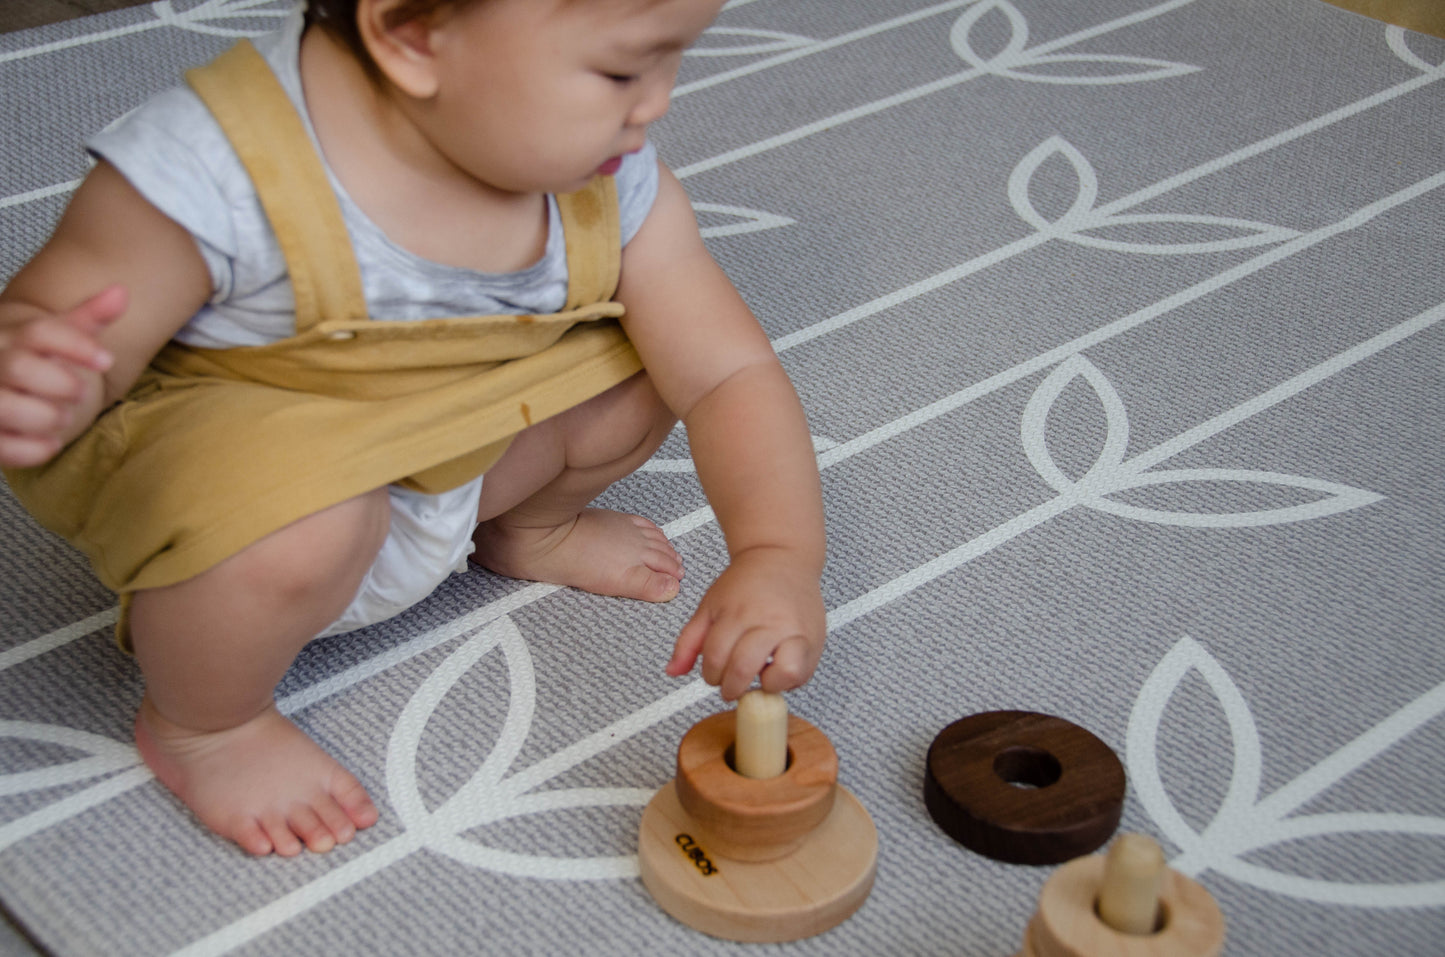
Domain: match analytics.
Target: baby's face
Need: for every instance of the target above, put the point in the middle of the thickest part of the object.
(539, 95)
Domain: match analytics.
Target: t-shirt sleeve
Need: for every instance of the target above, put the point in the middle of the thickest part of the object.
(636, 189)
(174, 154)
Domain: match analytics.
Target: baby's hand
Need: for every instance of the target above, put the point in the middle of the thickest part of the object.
(762, 618)
(49, 364)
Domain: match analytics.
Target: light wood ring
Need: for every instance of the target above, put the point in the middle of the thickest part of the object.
(748, 818)
(1067, 922)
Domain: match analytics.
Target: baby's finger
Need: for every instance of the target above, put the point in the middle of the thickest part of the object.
(39, 375)
(24, 451)
(60, 339)
(719, 651)
(791, 666)
(28, 416)
(99, 311)
(688, 645)
(747, 659)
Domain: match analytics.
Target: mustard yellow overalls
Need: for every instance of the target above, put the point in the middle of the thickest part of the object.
(212, 449)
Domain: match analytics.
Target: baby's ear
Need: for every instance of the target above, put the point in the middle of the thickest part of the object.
(401, 51)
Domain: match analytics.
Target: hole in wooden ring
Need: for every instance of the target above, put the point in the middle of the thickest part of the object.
(729, 757)
(1027, 767)
(1161, 918)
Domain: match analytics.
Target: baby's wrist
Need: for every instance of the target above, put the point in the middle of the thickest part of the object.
(801, 559)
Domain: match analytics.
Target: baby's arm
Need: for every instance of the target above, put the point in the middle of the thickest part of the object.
(713, 364)
(80, 321)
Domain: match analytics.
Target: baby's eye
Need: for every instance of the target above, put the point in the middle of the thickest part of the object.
(621, 79)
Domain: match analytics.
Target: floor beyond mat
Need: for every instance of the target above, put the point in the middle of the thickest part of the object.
(1119, 327)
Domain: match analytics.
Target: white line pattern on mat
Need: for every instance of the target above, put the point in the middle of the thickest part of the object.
(1339, 497)
(488, 635)
(422, 825)
(1244, 823)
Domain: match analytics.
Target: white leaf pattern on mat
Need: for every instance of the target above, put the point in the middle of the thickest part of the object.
(489, 795)
(1015, 57)
(103, 756)
(204, 16)
(1399, 42)
(1111, 473)
(748, 220)
(763, 41)
(1083, 216)
(257, 15)
(1245, 822)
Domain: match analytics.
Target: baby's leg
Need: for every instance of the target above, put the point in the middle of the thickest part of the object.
(535, 523)
(212, 649)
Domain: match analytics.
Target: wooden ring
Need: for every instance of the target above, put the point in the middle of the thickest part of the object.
(748, 818)
(1023, 787)
(1067, 919)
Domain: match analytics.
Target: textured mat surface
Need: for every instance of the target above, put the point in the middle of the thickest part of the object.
(1119, 327)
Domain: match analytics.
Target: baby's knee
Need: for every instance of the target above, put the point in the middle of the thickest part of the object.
(635, 421)
(326, 552)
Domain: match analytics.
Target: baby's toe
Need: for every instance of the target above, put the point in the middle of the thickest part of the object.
(649, 585)
(251, 837)
(283, 840)
(336, 820)
(352, 798)
(306, 824)
(667, 562)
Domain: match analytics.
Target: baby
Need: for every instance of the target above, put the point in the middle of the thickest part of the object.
(221, 409)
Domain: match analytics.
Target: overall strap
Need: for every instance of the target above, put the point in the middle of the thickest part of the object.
(592, 228)
(267, 134)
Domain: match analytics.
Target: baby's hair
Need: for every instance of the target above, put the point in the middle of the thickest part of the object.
(338, 17)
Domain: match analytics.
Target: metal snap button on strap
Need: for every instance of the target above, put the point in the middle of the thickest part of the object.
(341, 335)
(1023, 787)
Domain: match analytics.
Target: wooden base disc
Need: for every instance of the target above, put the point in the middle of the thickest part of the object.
(813, 888)
(1067, 923)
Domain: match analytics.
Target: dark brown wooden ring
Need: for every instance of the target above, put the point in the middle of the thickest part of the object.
(1023, 787)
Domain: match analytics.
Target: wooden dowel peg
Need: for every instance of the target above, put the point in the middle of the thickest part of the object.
(1183, 920)
(761, 748)
(754, 819)
(1133, 873)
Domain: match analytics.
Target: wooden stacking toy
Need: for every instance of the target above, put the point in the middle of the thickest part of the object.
(755, 840)
(1125, 904)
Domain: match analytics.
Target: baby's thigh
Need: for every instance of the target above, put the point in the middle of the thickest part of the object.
(288, 584)
(326, 552)
(429, 537)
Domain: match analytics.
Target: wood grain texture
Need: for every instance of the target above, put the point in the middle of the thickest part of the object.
(1023, 787)
(754, 818)
(1129, 896)
(1066, 923)
(817, 886)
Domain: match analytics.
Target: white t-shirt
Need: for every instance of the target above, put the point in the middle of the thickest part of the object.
(177, 157)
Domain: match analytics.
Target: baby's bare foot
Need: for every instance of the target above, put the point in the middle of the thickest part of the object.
(263, 784)
(601, 551)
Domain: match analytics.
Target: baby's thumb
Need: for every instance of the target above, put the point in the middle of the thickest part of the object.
(100, 310)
